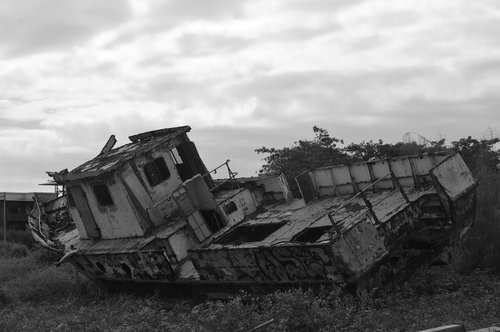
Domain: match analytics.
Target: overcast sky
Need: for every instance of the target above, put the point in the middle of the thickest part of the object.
(242, 74)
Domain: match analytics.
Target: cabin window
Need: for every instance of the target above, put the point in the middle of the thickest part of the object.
(176, 156)
(230, 207)
(103, 195)
(156, 171)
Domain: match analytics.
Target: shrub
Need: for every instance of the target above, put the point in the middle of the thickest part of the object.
(10, 250)
(291, 310)
(44, 256)
(481, 246)
(31, 276)
(46, 283)
(16, 267)
(19, 236)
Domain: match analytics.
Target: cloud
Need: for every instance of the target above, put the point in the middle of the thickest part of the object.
(198, 44)
(243, 74)
(30, 27)
(165, 15)
(322, 5)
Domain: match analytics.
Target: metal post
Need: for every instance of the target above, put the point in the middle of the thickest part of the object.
(396, 184)
(5, 217)
(365, 199)
(335, 225)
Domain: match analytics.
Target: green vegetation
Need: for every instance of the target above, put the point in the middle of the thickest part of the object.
(19, 236)
(481, 246)
(35, 295)
(324, 150)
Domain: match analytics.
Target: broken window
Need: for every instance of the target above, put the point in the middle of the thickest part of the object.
(103, 195)
(213, 220)
(311, 234)
(230, 207)
(156, 171)
(250, 233)
(176, 156)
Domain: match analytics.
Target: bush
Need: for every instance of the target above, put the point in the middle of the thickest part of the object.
(10, 250)
(19, 236)
(47, 283)
(31, 276)
(481, 246)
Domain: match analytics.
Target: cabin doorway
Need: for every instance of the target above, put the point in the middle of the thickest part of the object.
(188, 162)
(78, 199)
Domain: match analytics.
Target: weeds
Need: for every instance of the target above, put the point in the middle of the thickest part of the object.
(43, 297)
(19, 236)
(36, 295)
(11, 250)
(481, 246)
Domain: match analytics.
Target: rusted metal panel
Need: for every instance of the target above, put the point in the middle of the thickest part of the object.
(403, 171)
(380, 168)
(266, 264)
(361, 174)
(453, 176)
(342, 179)
(455, 184)
(306, 186)
(324, 181)
(359, 249)
(337, 180)
(285, 189)
(150, 265)
(403, 223)
(244, 201)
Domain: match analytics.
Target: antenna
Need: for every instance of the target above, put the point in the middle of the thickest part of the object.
(412, 137)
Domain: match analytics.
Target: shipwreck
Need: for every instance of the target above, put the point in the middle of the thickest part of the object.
(150, 213)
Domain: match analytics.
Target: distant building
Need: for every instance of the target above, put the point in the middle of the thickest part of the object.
(17, 207)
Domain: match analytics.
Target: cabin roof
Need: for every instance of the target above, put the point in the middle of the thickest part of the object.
(108, 161)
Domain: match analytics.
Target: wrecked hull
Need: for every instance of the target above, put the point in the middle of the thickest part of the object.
(146, 215)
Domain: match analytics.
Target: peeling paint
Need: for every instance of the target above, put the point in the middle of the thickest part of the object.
(354, 223)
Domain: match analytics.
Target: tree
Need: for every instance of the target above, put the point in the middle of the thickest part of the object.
(478, 154)
(325, 150)
(305, 154)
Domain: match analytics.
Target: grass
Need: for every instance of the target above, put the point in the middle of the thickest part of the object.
(37, 296)
(482, 248)
(78, 306)
(19, 236)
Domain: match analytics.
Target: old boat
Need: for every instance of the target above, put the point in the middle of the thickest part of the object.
(149, 212)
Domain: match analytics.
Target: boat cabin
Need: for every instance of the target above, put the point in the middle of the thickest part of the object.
(156, 188)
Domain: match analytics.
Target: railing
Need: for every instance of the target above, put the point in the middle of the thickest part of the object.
(231, 175)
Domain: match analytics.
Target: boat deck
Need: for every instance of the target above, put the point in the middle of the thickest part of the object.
(297, 216)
